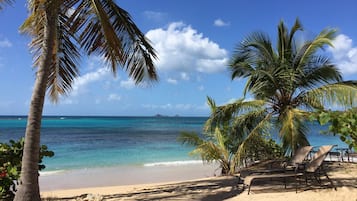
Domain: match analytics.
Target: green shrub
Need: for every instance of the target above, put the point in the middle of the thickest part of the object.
(343, 123)
(10, 166)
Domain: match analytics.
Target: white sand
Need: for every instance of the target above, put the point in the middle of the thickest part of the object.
(344, 176)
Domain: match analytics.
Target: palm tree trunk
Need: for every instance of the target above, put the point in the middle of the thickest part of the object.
(28, 190)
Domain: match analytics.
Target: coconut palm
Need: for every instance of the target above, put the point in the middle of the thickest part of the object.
(292, 79)
(60, 31)
(221, 141)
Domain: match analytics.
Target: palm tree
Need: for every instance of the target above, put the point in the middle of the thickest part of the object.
(61, 30)
(221, 141)
(292, 80)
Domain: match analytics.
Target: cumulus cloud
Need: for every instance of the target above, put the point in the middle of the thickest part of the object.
(220, 23)
(344, 54)
(181, 48)
(114, 97)
(81, 82)
(5, 43)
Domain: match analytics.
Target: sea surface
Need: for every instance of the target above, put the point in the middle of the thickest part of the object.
(95, 142)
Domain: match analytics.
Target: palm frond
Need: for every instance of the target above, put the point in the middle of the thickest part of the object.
(210, 149)
(296, 27)
(309, 48)
(319, 71)
(343, 94)
(226, 112)
(244, 123)
(261, 127)
(4, 3)
(190, 138)
(64, 68)
(248, 55)
(285, 40)
(293, 131)
(64, 60)
(106, 29)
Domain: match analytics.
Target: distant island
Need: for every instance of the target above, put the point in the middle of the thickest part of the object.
(160, 115)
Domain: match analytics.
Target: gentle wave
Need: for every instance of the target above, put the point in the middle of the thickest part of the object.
(46, 173)
(173, 163)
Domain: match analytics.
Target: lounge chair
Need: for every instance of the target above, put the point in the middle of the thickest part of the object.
(298, 158)
(312, 168)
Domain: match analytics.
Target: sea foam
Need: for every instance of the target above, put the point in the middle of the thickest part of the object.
(174, 163)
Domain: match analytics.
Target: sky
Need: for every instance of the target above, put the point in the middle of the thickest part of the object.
(194, 41)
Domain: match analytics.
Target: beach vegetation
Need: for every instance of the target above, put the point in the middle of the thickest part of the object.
(291, 80)
(342, 123)
(10, 166)
(61, 32)
(222, 138)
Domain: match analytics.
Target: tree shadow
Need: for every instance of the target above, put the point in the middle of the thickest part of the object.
(219, 188)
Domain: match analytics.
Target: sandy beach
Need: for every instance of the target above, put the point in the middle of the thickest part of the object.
(193, 183)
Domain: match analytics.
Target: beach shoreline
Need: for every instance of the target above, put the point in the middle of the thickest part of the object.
(126, 175)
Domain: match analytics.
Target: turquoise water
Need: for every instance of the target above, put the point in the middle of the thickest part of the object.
(86, 142)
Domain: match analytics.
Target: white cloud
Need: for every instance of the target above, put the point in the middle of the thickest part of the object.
(81, 82)
(5, 43)
(114, 97)
(68, 101)
(220, 23)
(153, 15)
(127, 84)
(171, 81)
(230, 101)
(181, 48)
(169, 106)
(344, 54)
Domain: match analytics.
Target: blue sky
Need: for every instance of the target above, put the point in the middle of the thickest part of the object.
(194, 41)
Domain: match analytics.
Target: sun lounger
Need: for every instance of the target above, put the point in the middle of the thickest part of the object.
(312, 168)
(298, 158)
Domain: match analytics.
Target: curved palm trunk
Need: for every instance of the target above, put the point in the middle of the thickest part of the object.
(28, 189)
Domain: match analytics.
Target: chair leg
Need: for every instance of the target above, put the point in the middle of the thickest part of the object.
(328, 178)
(317, 179)
(296, 184)
(249, 187)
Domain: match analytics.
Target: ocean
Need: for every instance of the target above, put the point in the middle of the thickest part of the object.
(96, 142)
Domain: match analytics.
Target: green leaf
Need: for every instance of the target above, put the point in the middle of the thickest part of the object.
(324, 118)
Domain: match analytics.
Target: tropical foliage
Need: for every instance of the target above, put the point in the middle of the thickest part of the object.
(292, 79)
(343, 123)
(222, 138)
(61, 31)
(10, 166)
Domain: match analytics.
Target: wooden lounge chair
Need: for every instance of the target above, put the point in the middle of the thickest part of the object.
(312, 168)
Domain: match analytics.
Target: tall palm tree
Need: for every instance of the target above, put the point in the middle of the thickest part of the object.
(292, 79)
(61, 30)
